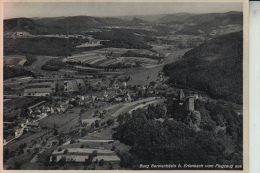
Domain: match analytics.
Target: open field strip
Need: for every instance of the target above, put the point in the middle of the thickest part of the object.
(167, 54)
(100, 62)
(88, 45)
(82, 55)
(114, 50)
(143, 59)
(90, 59)
(97, 60)
(22, 62)
(116, 62)
(84, 58)
(36, 66)
(152, 66)
(87, 68)
(139, 59)
(13, 59)
(106, 63)
(67, 71)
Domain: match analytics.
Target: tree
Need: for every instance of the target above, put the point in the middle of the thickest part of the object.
(152, 83)
(54, 159)
(66, 151)
(126, 160)
(72, 141)
(94, 153)
(6, 153)
(17, 165)
(110, 122)
(101, 162)
(47, 161)
(96, 123)
(62, 161)
(55, 133)
(89, 160)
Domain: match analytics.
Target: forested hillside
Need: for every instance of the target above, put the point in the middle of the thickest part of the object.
(215, 67)
(41, 46)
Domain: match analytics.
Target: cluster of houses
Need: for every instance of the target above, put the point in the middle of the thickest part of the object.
(18, 34)
(48, 86)
(181, 41)
(44, 109)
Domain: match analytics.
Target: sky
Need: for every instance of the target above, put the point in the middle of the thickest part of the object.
(58, 9)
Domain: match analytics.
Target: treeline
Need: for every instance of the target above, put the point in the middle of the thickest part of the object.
(175, 142)
(117, 66)
(11, 72)
(30, 59)
(133, 54)
(215, 67)
(122, 38)
(53, 65)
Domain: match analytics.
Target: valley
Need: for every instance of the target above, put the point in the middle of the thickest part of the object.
(114, 93)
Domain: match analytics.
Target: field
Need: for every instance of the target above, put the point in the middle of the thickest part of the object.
(36, 66)
(113, 50)
(161, 47)
(88, 45)
(98, 58)
(14, 60)
(64, 121)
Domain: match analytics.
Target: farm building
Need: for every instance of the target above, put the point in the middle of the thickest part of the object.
(82, 158)
(80, 154)
(39, 89)
(70, 86)
(33, 124)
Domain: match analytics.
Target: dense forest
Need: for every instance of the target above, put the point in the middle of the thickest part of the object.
(122, 38)
(173, 141)
(53, 65)
(215, 67)
(11, 72)
(49, 46)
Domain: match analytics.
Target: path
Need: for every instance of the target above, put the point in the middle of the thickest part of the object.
(128, 105)
(20, 132)
(89, 140)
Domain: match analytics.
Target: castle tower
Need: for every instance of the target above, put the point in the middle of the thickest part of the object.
(190, 104)
(181, 95)
(196, 118)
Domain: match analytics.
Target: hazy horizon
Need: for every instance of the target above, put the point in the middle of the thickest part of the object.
(112, 9)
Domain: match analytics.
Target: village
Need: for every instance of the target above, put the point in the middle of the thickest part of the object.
(77, 113)
(115, 92)
(65, 119)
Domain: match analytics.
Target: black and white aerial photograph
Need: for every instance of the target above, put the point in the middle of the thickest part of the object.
(123, 86)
